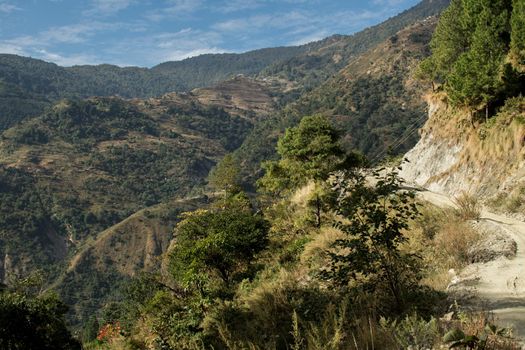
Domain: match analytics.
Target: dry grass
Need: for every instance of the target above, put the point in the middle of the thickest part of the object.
(315, 252)
(468, 206)
(443, 239)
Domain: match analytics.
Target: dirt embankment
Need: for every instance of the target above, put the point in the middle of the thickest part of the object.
(495, 281)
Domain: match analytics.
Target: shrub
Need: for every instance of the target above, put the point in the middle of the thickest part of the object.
(468, 207)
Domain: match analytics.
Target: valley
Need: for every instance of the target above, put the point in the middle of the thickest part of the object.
(359, 191)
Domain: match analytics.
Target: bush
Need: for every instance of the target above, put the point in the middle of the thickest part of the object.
(468, 207)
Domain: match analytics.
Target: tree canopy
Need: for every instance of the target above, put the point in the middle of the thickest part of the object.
(309, 151)
(216, 243)
(471, 47)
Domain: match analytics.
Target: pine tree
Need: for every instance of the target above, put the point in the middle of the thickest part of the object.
(475, 79)
(450, 40)
(517, 45)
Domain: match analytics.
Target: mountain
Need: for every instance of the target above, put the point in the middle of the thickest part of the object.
(28, 86)
(374, 100)
(326, 57)
(88, 182)
(73, 179)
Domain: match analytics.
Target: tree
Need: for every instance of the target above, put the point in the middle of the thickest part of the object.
(308, 152)
(219, 243)
(469, 50)
(450, 40)
(517, 45)
(226, 175)
(33, 323)
(475, 79)
(373, 219)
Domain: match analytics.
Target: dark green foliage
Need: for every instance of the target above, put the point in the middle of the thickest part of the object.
(33, 323)
(475, 80)
(213, 244)
(450, 40)
(90, 330)
(517, 44)
(24, 219)
(470, 49)
(226, 175)
(214, 123)
(374, 220)
(97, 120)
(146, 185)
(310, 151)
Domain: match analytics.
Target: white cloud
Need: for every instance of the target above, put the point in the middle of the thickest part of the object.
(174, 9)
(388, 2)
(185, 43)
(67, 61)
(316, 36)
(12, 49)
(70, 34)
(6, 7)
(108, 7)
(238, 5)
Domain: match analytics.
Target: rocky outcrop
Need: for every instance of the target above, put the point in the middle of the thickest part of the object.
(458, 155)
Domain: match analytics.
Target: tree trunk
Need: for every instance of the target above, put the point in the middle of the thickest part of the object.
(318, 211)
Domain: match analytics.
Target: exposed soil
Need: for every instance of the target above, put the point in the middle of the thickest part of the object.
(495, 281)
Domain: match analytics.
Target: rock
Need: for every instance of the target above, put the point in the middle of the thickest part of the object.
(493, 245)
(448, 317)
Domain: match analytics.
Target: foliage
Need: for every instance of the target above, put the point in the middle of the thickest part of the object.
(216, 244)
(468, 207)
(413, 331)
(33, 323)
(469, 51)
(517, 44)
(373, 220)
(310, 151)
(226, 175)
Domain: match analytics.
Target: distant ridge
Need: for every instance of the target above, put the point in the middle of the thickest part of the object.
(28, 85)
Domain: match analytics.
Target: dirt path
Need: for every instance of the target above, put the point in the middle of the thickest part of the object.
(498, 285)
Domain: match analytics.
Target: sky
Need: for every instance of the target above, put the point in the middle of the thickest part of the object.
(148, 32)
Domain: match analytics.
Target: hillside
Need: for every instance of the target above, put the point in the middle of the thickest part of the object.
(30, 85)
(326, 57)
(91, 187)
(85, 165)
(374, 99)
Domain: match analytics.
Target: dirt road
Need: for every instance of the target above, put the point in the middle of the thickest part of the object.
(498, 285)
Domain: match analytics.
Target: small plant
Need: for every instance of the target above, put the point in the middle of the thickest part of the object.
(468, 207)
(413, 332)
(459, 340)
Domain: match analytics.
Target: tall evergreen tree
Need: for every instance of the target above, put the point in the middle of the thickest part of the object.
(517, 45)
(450, 40)
(476, 76)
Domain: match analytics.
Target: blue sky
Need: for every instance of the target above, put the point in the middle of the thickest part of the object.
(148, 32)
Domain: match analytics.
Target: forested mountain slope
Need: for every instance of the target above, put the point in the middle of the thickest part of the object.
(84, 166)
(76, 179)
(375, 100)
(28, 85)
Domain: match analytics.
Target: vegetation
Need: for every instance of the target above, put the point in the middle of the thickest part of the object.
(216, 244)
(239, 279)
(373, 100)
(327, 255)
(33, 321)
(471, 48)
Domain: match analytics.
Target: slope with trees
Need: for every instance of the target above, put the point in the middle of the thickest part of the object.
(476, 54)
(356, 281)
